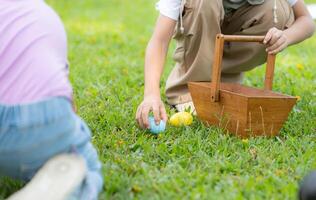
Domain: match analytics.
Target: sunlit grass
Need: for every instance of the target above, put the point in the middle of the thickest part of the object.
(107, 40)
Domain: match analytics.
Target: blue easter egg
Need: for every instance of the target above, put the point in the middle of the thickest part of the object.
(156, 129)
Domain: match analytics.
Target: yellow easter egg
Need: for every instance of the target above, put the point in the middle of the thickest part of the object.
(181, 119)
(174, 120)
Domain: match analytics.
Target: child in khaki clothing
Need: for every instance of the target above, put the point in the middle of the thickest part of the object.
(283, 22)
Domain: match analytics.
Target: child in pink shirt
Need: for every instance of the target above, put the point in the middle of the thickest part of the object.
(37, 122)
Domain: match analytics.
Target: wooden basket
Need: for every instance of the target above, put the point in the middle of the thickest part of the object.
(242, 110)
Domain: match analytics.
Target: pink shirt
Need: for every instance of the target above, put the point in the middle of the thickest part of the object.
(33, 53)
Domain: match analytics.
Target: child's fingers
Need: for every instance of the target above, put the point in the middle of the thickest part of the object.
(279, 49)
(275, 37)
(144, 118)
(156, 113)
(269, 36)
(138, 112)
(163, 113)
(138, 117)
(276, 45)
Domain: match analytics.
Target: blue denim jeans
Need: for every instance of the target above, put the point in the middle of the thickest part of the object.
(31, 134)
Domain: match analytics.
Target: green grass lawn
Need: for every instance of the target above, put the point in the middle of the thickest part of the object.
(107, 40)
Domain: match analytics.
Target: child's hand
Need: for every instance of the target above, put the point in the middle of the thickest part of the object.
(276, 41)
(154, 104)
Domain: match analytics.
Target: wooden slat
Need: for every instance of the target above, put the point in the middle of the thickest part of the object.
(243, 38)
(217, 65)
(268, 84)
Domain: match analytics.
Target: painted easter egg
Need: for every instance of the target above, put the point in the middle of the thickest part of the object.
(154, 128)
(181, 119)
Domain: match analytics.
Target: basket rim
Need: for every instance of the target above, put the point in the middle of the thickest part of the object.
(276, 95)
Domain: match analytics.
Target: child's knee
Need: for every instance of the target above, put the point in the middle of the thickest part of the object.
(89, 153)
(94, 180)
(308, 187)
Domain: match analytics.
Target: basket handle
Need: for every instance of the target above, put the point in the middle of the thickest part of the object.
(218, 57)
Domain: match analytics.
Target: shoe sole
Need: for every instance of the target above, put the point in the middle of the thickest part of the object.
(186, 106)
(56, 180)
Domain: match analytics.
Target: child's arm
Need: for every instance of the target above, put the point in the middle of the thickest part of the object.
(303, 28)
(154, 64)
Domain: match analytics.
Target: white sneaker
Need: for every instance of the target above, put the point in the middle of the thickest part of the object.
(189, 107)
(56, 180)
